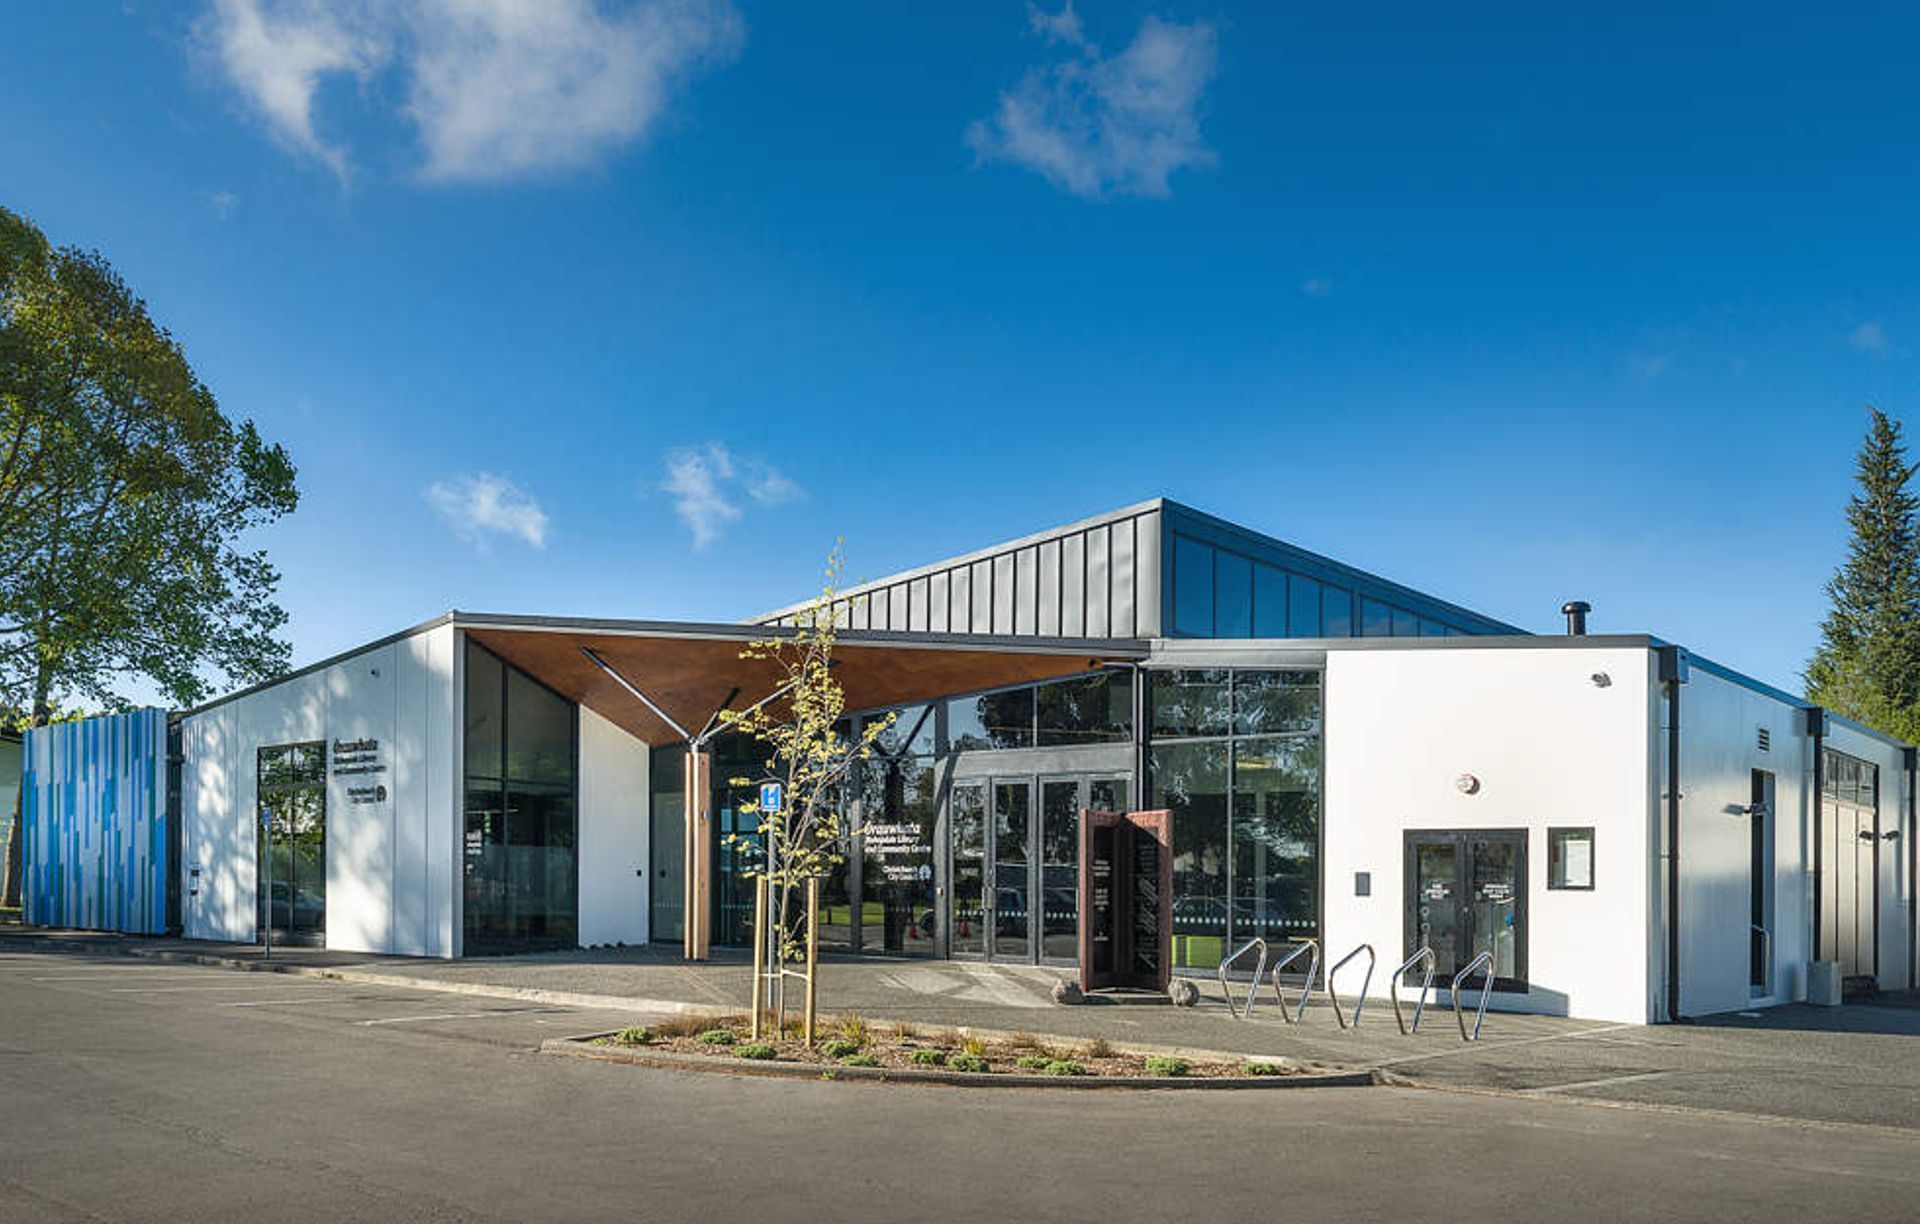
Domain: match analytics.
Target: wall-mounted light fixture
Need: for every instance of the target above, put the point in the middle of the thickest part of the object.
(1601, 680)
(1467, 784)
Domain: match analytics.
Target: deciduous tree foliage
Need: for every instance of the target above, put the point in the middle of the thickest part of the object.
(125, 494)
(1867, 666)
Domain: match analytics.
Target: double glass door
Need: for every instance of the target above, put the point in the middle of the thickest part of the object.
(1016, 864)
(1467, 894)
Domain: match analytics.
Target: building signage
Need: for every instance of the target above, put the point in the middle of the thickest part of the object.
(901, 850)
(1126, 883)
(359, 759)
(772, 798)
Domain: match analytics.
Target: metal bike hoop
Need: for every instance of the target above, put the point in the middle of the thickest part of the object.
(1360, 1000)
(1424, 958)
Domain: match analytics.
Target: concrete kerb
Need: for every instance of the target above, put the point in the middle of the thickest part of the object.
(582, 1047)
(1323, 1074)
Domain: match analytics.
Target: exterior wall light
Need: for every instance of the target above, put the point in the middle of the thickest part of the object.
(1467, 784)
(1601, 680)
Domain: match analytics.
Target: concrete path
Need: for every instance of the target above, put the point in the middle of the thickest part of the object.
(1858, 1064)
(162, 1091)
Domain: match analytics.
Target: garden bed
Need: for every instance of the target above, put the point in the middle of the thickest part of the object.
(850, 1047)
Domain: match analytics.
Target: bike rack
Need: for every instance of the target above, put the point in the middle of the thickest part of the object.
(1245, 1011)
(1423, 957)
(1482, 961)
(1306, 989)
(1360, 1001)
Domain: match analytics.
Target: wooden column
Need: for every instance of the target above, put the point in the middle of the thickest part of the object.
(697, 890)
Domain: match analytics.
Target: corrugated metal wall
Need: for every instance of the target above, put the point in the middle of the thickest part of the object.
(94, 808)
(1096, 579)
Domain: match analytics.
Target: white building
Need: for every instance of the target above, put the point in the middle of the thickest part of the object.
(1345, 759)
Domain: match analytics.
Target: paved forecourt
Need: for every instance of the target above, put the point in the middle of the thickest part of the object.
(171, 1092)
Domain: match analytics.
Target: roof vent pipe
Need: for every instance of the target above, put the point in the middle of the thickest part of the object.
(1576, 611)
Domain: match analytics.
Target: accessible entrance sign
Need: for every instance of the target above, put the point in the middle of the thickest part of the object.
(1126, 891)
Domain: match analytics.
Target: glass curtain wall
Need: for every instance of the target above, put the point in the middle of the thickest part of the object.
(899, 811)
(1235, 754)
(521, 867)
(1217, 593)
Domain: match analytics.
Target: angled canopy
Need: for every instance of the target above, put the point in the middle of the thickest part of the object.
(692, 670)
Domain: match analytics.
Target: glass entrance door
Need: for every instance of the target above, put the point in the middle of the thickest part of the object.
(1466, 894)
(292, 791)
(1016, 864)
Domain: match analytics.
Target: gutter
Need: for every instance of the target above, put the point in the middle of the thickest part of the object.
(1673, 673)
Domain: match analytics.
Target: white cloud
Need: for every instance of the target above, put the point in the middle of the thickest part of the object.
(1316, 286)
(1097, 125)
(223, 203)
(1869, 338)
(707, 482)
(479, 505)
(1649, 367)
(495, 89)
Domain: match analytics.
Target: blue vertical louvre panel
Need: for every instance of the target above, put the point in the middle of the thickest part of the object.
(93, 804)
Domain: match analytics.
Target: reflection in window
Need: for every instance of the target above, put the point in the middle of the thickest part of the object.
(1190, 779)
(1088, 710)
(1405, 624)
(896, 870)
(1192, 588)
(1233, 596)
(521, 870)
(1276, 829)
(1189, 703)
(1303, 597)
(991, 720)
(1272, 702)
(1337, 603)
(1269, 602)
(1376, 619)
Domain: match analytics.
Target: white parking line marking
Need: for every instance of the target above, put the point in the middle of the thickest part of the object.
(184, 989)
(302, 999)
(480, 1015)
(94, 977)
(1602, 1083)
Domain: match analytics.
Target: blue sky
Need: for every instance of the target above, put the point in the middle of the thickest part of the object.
(632, 309)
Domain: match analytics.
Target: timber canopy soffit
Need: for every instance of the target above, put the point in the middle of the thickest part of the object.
(689, 671)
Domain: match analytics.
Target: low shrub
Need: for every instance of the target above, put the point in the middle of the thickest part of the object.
(1099, 1047)
(682, 1026)
(1173, 1067)
(854, 1028)
(975, 1045)
(928, 1058)
(859, 1060)
(1261, 1068)
(1022, 1041)
(638, 1034)
(969, 1062)
(1063, 1066)
(1032, 1062)
(715, 1036)
(759, 1050)
(839, 1047)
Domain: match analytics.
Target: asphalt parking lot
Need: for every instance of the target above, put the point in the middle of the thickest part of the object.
(167, 1092)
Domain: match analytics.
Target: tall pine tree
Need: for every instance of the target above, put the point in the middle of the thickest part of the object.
(1867, 666)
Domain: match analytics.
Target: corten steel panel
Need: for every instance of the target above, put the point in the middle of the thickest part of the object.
(689, 677)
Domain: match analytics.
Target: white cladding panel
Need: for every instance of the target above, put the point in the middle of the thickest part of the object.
(613, 833)
(1896, 882)
(1547, 746)
(1720, 735)
(390, 860)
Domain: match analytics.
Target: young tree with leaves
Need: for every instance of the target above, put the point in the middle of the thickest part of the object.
(125, 494)
(810, 758)
(1867, 666)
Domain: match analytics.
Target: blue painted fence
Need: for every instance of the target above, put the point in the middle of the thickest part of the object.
(93, 803)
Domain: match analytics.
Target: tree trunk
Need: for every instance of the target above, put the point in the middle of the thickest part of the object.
(42, 714)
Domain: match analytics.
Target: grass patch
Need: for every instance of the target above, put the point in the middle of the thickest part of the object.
(854, 1027)
(859, 1060)
(1032, 1062)
(1170, 1067)
(950, 1038)
(639, 1034)
(838, 1047)
(715, 1037)
(1022, 1041)
(682, 1026)
(969, 1062)
(928, 1058)
(1063, 1066)
(1262, 1068)
(759, 1050)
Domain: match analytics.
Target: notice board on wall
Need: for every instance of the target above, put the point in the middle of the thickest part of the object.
(1126, 888)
